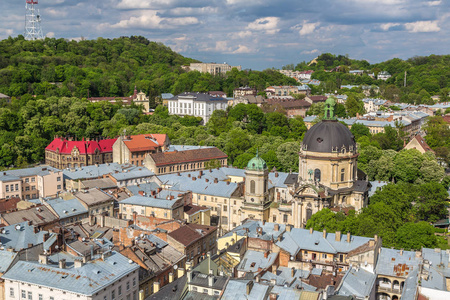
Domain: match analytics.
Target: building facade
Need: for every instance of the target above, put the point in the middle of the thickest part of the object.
(212, 68)
(196, 104)
(133, 149)
(64, 153)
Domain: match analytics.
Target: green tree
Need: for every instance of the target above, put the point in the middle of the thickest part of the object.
(287, 154)
(414, 236)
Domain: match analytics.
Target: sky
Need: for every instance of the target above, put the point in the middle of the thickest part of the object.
(256, 34)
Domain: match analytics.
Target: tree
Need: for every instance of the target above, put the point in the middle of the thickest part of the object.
(287, 154)
(326, 219)
(414, 236)
(407, 164)
(354, 106)
(212, 164)
(359, 130)
(217, 123)
(431, 201)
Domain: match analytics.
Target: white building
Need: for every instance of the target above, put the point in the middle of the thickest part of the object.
(371, 105)
(110, 276)
(196, 104)
(384, 75)
(212, 68)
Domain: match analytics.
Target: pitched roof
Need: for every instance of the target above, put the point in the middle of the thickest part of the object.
(190, 233)
(423, 143)
(152, 202)
(191, 209)
(145, 142)
(8, 204)
(86, 280)
(20, 236)
(67, 208)
(93, 196)
(39, 215)
(176, 157)
(290, 103)
(85, 147)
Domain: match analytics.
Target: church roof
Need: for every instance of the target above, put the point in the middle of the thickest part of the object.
(329, 136)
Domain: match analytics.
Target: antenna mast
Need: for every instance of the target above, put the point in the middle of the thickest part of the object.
(33, 29)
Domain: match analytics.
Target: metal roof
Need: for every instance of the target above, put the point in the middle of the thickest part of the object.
(358, 283)
(19, 236)
(236, 290)
(86, 280)
(255, 260)
(150, 202)
(66, 208)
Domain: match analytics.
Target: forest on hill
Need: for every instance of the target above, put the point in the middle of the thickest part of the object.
(425, 76)
(109, 68)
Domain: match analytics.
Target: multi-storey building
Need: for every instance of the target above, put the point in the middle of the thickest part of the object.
(64, 153)
(31, 183)
(196, 104)
(133, 149)
(212, 68)
(244, 91)
(109, 276)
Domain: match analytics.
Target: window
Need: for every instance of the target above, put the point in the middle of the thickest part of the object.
(27, 188)
(33, 187)
(24, 294)
(52, 298)
(285, 218)
(128, 286)
(205, 291)
(119, 291)
(27, 180)
(316, 175)
(342, 174)
(17, 186)
(7, 188)
(58, 187)
(58, 178)
(113, 295)
(33, 179)
(324, 255)
(30, 296)
(11, 292)
(224, 208)
(134, 281)
(252, 186)
(274, 218)
(40, 297)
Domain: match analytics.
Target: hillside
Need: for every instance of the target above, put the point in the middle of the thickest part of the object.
(426, 76)
(109, 67)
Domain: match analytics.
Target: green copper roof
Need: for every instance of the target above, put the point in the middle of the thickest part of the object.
(329, 109)
(256, 163)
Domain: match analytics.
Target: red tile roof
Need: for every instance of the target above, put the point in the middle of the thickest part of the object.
(145, 142)
(85, 147)
(191, 209)
(191, 233)
(422, 142)
(178, 157)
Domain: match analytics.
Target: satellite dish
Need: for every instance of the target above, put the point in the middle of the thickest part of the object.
(175, 267)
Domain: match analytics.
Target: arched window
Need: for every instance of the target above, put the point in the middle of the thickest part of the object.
(316, 175)
(252, 186)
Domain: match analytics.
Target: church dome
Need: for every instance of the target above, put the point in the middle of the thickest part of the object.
(329, 136)
(256, 164)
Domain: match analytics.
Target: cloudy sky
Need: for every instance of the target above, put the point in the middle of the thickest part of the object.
(256, 34)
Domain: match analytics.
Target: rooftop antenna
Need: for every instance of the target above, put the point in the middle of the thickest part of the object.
(33, 29)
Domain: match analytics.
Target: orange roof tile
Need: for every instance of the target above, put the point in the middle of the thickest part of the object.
(145, 142)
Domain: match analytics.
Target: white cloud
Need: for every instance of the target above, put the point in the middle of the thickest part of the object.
(150, 20)
(242, 49)
(310, 51)
(55, 12)
(434, 3)
(183, 11)
(142, 4)
(423, 26)
(244, 34)
(386, 26)
(308, 28)
(267, 24)
(50, 34)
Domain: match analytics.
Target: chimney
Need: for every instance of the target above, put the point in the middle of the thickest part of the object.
(153, 193)
(257, 278)
(228, 183)
(266, 254)
(62, 263)
(141, 193)
(288, 228)
(249, 287)
(170, 277)
(189, 275)
(171, 197)
(210, 278)
(206, 180)
(189, 175)
(216, 180)
(35, 229)
(376, 238)
(311, 230)
(324, 233)
(200, 173)
(159, 190)
(264, 222)
(43, 259)
(401, 251)
(102, 220)
(273, 296)
(134, 217)
(86, 258)
(30, 245)
(338, 236)
(292, 272)
(194, 178)
(178, 173)
(155, 287)
(180, 272)
(78, 263)
(276, 174)
(348, 237)
(276, 227)
(45, 236)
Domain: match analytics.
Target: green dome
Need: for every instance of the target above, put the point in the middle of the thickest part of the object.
(256, 163)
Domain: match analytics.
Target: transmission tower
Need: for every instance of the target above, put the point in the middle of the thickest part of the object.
(33, 29)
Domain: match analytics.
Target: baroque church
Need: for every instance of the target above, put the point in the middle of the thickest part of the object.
(328, 177)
